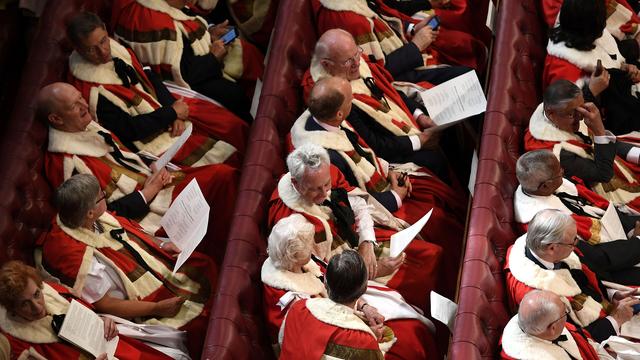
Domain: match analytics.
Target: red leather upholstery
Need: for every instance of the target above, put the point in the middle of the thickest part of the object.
(236, 328)
(514, 93)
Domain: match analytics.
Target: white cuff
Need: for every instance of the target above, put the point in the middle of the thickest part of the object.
(398, 199)
(410, 28)
(615, 324)
(416, 145)
(605, 139)
(416, 113)
(142, 196)
(633, 155)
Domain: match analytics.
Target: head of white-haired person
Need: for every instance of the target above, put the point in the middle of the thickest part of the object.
(539, 172)
(310, 174)
(338, 54)
(552, 235)
(289, 244)
(80, 201)
(542, 314)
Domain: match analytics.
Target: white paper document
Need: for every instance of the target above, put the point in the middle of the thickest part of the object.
(85, 329)
(472, 174)
(611, 225)
(186, 221)
(455, 100)
(401, 239)
(173, 150)
(443, 309)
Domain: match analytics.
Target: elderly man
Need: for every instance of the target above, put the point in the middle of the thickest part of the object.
(77, 144)
(543, 187)
(343, 219)
(176, 44)
(557, 124)
(543, 259)
(394, 125)
(540, 331)
(137, 107)
(381, 36)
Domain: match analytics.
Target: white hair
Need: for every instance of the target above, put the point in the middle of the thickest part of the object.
(534, 167)
(547, 227)
(308, 157)
(290, 239)
(537, 311)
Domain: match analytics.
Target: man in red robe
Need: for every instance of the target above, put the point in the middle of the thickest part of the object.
(544, 259)
(179, 46)
(77, 144)
(540, 331)
(141, 110)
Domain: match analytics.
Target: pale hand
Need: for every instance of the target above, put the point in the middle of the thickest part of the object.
(168, 307)
(110, 329)
(388, 265)
(177, 128)
(155, 183)
(181, 108)
(365, 250)
(372, 315)
(424, 37)
(597, 84)
(402, 191)
(218, 50)
(217, 31)
(624, 310)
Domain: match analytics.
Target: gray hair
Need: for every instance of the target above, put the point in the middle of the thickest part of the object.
(308, 157)
(534, 167)
(547, 227)
(559, 93)
(325, 43)
(75, 197)
(289, 238)
(537, 311)
(346, 277)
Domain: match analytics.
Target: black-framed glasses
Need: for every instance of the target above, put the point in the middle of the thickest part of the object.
(567, 311)
(573, 244)
(551, 179)
(103, 196)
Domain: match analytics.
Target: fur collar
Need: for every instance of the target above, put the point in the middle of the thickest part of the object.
(335, 314)
(357, 6)
(526, 271)
(39, 331)
(84, 143)
(586, 60)
(519, 345)
(525, 206)
(332, 140)
(90, 237)
(543, 129)
(306, 282)
(163, 7)
(101, 74)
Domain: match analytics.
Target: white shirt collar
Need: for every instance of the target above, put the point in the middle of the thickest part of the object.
(326, 126)
(547, 264)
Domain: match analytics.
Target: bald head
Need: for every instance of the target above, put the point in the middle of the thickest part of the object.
(541, 314)
(330, 100)
(338, 54)
(63, 107)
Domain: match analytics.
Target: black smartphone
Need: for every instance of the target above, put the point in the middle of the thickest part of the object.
(599, 68)
(434, 22)
(231, 35)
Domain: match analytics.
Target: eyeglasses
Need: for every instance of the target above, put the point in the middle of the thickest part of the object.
(567, 311)
(551, 179)
(573, 244)
(350, 61)
(102, 197)
(92, 50)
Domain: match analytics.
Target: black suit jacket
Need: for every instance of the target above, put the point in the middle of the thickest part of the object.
(598, 170)
(130, 206)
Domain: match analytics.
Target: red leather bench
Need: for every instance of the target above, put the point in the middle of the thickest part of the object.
(514, 93)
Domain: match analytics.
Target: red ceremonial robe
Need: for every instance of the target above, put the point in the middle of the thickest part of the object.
(337, 333)
(37, 340)
(621, 20)
(87, 153)
(154, 30)
(516, 344)
(623, 188)
(68, 253)
(523, 275)
(416, 277)
(379, 35)
(282, 288)
(590, 229)
(217, 135)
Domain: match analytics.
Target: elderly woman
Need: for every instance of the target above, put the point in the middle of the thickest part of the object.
(27, 306)
(290, 274)
(111, 263)
(581, 39)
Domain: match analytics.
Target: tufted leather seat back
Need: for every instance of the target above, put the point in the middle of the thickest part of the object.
(237, 329)
(514, 93)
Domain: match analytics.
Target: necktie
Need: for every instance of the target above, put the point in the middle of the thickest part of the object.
(343, 214)
(126, 73)
(584, 138)
(353, 139)
(574, 203)
(560, 339)
(377, 93)
(117, 154)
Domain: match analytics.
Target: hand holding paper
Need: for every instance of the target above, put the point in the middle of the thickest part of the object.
(85, 329)
(401, 239)
(173, 150)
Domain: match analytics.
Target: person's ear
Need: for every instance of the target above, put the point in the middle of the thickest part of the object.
(55, 120)
(325, 64)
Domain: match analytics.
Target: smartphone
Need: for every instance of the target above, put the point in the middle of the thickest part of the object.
(636, 308)
(434, 22)
(231, 35)
(599, 68)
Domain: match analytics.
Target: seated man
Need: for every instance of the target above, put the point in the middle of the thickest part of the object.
(291, 274)
(557, 124)
(540, 331)
(394, 125)
(77, 144)
(543, 259)
(183, 51)
(114, 265)
(345, 217)
(407, 197)
(27, 307)
(137, 107)
(389, 47)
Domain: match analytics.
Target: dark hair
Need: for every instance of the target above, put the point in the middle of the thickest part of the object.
(81, 25)
(14, 278)
(559, 93)
(581, 23)
(324, 104)
(346, 277)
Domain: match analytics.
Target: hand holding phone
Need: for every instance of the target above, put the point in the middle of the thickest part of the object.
(434, 22)
(231, 35)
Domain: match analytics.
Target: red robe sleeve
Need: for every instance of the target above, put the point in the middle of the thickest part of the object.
(556, 69)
